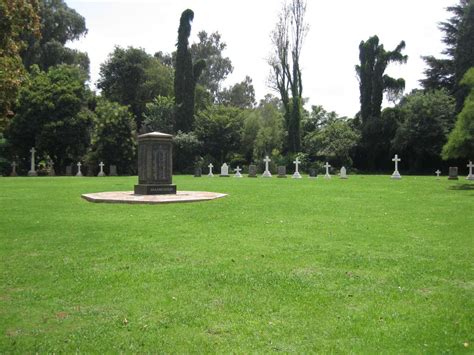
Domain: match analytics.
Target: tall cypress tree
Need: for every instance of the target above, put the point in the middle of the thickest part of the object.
(186, 76)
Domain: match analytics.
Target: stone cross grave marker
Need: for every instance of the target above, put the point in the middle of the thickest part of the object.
(343, 174)
(197, 171)
(470, 166)
(312, 174)
(210, 166)
(51, 171)
(297, 174)
(327, 175)
(437, 172)
(113, 170)
(13, 173)
(281, 171)
(101, 172)
(453, 173)
(267, 173)
(252, 171)
(237, 172)
(224, 170)
(69, 170)
(396, 174)
(32, 171)
(79, 172)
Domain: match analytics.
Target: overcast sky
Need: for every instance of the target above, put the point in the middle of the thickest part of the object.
(330, 51)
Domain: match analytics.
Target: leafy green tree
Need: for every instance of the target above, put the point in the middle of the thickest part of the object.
(59, 24)
(53, 115)
(113, 137)
(286, 78)
(159, 115)
(270, 134)
(18, 19)
(133, 78)
(210, 48)
(186, 76)
(240, 95)
(186, 150)
(427, 118)
(219, 128)
(460, 142)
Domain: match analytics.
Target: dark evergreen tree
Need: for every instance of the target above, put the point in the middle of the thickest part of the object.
(186, 76)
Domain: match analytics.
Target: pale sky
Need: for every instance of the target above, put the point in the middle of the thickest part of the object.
(329, 54)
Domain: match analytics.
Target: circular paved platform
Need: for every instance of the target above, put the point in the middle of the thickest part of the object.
(130, 197)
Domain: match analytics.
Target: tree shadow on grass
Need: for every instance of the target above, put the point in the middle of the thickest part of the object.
(462, 187)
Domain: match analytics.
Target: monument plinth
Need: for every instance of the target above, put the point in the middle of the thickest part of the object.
(155, 164)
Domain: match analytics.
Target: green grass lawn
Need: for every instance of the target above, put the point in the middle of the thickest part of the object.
(366, 265)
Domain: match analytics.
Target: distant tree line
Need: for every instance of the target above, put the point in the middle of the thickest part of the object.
(45, 101)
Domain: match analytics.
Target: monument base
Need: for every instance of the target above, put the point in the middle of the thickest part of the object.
(32, 173)
(453, 178)
(145, 189)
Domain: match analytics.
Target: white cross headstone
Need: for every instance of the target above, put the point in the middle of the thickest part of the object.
(396, 174)
(210, 166)
(343, 174)
(267, 173)
(237, 172)
(297, 174)
(32, 171)
(470, 166)
(327, 166)
(437, 172)
(224, 170)
(101, 172)
(79, 173)
(13, 173)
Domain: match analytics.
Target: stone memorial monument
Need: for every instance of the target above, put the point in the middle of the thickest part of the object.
(470, 166)
(224, 170)
(252, 171)
(79, 172)
(113, 170)
(69, 170)
(343, 174)
(237, 172)
(13, 173)
(267, 173)
(396, 174)
(210, 166)
(281, 171)
(297, 174)
(327, 175)
(51, 171)
(453, 173)
(32, 171)
(155, 164)
(101, 166)
(312, 174)
(197, 171)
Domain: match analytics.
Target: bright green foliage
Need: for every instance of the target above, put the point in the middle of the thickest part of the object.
(240, 95)
(59, 25)
(210, 48)
(186, 150)
(427, 119)
(132, 77)
(333, 142)
(53, 116)
(113, 137)
(186, 76)
(18, 18)
(461, 139)
(366, 265)
(219, 128)
(159, 115)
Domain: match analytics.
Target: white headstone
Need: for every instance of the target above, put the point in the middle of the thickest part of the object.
(343, 174)
(210, 166)
(327, 175)
(101, 172)
(224, 170)
(32, 171)
(470, 166)
(396, 174)
(437, 172)
(237, 172)
(13, 173)
(79, 173)
(267, 173)
(296, 175)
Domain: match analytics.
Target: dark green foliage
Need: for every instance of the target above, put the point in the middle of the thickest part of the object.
(427, 117)
(53, 116)
(159, 115)
(461, 139)
(240, 95)
(59, 24)
(186, 76)
(186, 150)
(132, 77)
(113, 138)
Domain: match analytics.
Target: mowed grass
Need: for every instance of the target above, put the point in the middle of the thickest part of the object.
(365, 265)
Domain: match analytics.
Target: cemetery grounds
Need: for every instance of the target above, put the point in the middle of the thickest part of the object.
(362, 265)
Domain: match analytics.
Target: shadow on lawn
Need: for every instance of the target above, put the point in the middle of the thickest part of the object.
(460, 187)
